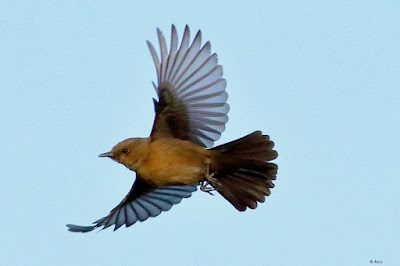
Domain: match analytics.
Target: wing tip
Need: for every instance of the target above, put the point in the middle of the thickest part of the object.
(79, 228)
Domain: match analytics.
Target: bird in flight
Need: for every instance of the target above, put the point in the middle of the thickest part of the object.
(191, 113)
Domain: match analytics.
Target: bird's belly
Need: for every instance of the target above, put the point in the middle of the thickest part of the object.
(174, 174)
(177, 163)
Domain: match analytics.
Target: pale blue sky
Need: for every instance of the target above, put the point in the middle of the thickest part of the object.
(320, 77)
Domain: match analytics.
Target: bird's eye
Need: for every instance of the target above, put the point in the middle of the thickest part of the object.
(125, 150)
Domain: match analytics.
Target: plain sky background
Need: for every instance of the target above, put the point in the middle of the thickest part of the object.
(320, 77)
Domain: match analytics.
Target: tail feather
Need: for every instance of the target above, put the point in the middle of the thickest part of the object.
(243, 173)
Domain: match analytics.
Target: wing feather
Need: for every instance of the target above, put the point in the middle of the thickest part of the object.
(201, 61)
(192, 98)
(189, 58)
(131, 216)
(173, 52)
(142, 202)
(181, 54)
(155, 60)
(164, 53)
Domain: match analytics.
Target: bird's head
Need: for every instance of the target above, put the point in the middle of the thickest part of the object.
(130, 152)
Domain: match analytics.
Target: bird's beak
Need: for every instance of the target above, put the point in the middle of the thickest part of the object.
(106, 154)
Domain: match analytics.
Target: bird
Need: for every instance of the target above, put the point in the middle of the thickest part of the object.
(178, 157)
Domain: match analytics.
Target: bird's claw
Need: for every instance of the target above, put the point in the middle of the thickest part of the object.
(206, 187)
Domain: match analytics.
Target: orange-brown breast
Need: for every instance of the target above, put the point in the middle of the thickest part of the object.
(173, 161)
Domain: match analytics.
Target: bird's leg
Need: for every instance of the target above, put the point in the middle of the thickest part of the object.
(205, 184)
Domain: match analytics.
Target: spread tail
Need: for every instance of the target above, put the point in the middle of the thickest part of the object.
(242, 172)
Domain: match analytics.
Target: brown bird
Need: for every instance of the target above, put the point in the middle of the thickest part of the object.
(191, 114)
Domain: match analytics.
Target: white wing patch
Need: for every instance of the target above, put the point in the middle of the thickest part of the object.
(193, 75)
(149, 204)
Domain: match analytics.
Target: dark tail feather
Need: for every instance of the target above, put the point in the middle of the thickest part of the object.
(243, 174)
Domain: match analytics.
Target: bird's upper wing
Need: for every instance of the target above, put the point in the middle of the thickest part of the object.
(191, 91)
(142, 202)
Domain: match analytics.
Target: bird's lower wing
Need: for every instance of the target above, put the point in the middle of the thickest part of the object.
(141, 203)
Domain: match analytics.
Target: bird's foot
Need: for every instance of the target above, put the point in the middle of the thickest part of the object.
(206, 187)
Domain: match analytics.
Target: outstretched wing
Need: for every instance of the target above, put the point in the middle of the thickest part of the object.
(142, 202)
(191, 91)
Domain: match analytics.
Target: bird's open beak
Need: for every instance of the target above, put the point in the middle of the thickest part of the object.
(106, 154)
